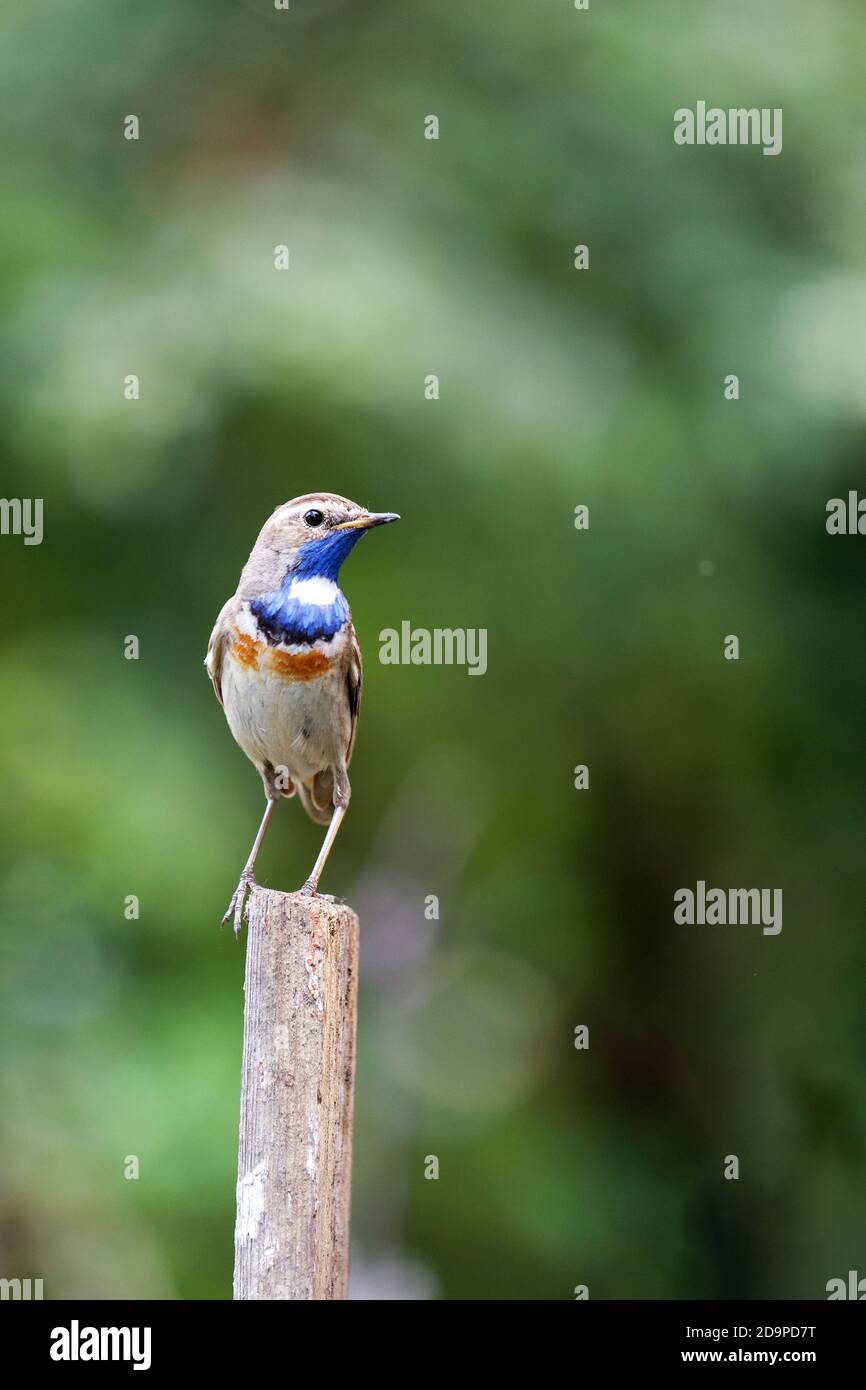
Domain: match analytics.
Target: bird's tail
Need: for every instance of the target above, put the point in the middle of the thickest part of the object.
(317, 797)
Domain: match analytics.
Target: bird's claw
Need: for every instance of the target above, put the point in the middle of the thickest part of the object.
(239, 906)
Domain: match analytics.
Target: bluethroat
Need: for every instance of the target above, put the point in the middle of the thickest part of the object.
(286, 666)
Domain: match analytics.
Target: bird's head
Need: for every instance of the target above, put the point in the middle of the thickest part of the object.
(312, 535)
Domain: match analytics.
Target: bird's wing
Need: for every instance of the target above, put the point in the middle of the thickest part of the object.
(216, 648)
(354, 677)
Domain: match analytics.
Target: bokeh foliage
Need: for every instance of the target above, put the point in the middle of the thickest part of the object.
(558, 388)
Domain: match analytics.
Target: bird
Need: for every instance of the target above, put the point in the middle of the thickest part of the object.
(285, 665)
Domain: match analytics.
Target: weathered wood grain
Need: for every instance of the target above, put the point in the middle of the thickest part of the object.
(297, 1096)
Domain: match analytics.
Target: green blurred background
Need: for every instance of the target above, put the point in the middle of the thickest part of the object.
(558, 387)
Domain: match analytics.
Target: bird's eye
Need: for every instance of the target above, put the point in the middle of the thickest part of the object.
(314, 517)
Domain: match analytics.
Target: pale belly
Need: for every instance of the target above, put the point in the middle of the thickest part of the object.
(286, 711)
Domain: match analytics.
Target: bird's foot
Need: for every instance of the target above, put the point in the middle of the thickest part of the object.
(309, 889)
(238, 908)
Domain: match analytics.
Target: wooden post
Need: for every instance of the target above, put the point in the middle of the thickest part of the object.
(297, 1094)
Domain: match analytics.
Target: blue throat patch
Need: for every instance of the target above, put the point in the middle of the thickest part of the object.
(322, 558)
(283, 618)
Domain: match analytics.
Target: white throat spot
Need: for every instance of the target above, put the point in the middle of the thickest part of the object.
(317, 591)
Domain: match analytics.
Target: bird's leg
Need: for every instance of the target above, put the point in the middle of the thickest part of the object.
(312, 882)
(236, 906)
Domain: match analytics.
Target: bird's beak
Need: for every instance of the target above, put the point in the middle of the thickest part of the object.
(365, 522)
